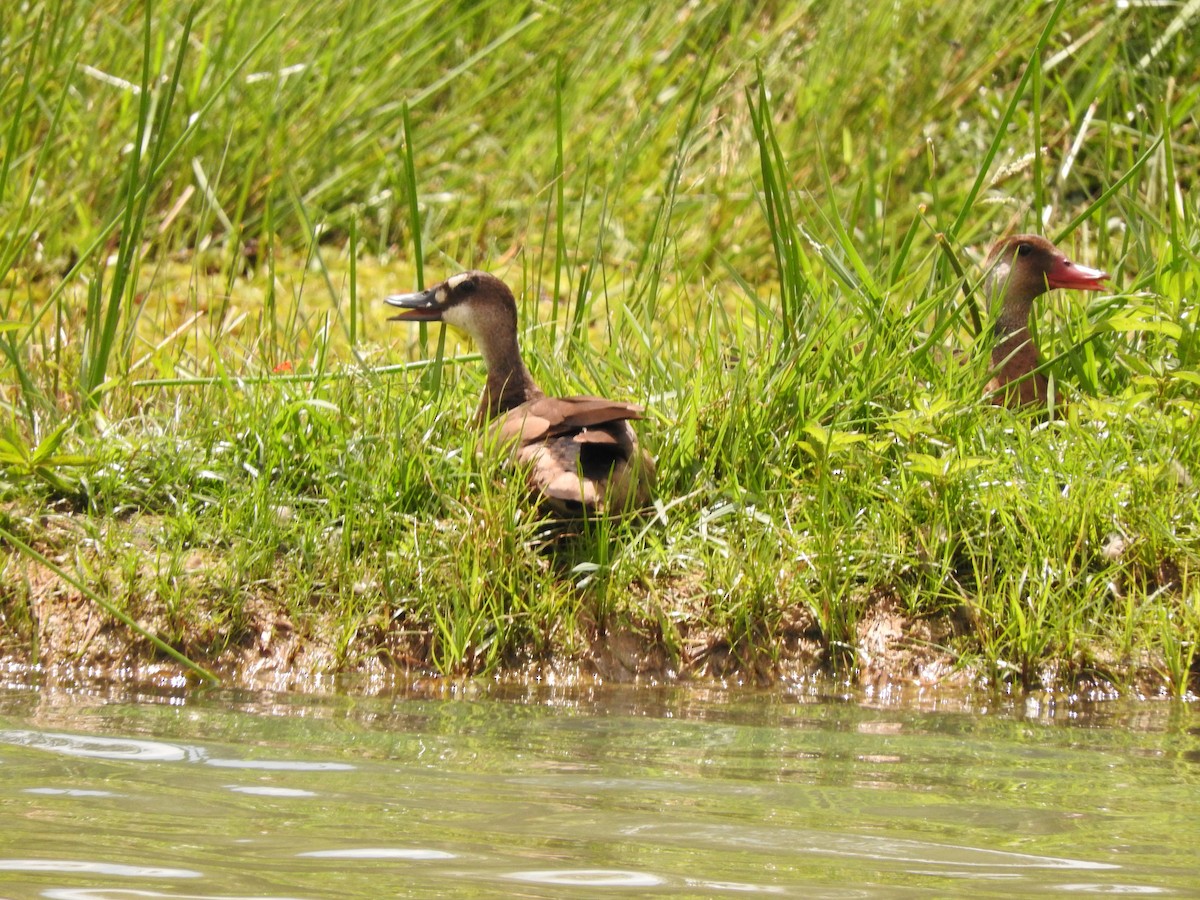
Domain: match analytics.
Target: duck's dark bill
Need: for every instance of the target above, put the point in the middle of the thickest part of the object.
(419, 307)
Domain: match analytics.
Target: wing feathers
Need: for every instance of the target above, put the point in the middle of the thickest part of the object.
(581, 452)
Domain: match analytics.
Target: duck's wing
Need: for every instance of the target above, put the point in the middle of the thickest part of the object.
(581, 452)
(546, 417)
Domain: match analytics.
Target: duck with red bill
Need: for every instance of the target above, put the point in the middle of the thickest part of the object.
(1021, 268)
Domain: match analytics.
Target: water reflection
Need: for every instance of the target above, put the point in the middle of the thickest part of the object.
(539, 794)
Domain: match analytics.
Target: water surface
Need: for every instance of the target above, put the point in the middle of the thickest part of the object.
(589, 792)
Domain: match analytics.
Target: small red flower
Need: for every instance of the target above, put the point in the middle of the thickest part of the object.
(283, 368)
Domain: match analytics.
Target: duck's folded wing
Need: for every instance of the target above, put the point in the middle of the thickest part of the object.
(547, 417)
(580, 453)
(598, 469)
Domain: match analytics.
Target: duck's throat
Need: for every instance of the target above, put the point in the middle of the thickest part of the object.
(509, 383)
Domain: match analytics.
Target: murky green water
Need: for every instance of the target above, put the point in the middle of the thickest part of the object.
(588, 793)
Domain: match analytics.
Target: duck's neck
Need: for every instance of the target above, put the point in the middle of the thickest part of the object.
(509, 383)
(1013, 341)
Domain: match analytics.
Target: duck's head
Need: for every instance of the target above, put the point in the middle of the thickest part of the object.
(1022, 267)
(475, 302)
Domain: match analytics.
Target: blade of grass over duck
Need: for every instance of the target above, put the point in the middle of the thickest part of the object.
(161, 645)
(415, 227)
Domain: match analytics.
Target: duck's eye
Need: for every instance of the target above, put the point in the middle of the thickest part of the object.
(1024, 249)
(462, 283)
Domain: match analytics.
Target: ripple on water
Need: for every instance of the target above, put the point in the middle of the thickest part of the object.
(89, 867)
(269, 791)
(1122, 889)
(123, 894)
(69, 792)
(588, 878)
(101, 747)
(860, 846)
(280, 765)
(379, 853)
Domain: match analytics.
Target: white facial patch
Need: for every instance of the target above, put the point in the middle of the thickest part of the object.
(1000, 274)
(455, 280)
(440, 296)
(459, 316)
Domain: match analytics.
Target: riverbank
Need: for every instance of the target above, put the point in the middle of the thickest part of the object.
(213, 434)
(247, 637)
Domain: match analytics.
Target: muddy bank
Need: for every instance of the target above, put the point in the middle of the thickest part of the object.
(52, 630)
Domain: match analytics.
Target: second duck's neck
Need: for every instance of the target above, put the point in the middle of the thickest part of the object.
(1011, 332)
(509, 383)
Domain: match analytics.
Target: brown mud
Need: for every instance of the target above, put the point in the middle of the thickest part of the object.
(47, 627)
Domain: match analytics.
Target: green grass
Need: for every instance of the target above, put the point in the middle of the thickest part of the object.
(762, 221)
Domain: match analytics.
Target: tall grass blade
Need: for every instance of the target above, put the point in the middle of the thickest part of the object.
(195, 122)
(1107, 193)
(968, 204)
(784, 232)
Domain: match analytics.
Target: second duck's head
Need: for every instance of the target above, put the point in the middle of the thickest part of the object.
(1022, 267)
(475, 302)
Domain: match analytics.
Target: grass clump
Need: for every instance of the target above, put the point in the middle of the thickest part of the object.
(762, 221)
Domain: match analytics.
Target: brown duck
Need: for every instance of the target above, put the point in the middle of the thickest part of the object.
(1021, 268)
(581, 453)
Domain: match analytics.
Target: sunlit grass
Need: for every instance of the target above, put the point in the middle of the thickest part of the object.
(762, 222)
